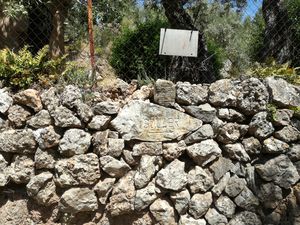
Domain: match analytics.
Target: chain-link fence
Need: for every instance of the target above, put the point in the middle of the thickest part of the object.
(233, 34)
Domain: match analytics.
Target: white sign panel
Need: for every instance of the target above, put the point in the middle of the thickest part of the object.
(178, 42)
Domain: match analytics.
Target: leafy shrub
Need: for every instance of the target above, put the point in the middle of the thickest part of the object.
(135, 52)
(22, 69)
(217, 55)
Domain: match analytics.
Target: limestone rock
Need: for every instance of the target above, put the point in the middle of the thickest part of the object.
(129, 158)
(47, 137)
(245, 218)
(294, 152)
(223, 93)
(84, 112)
(226, 206)
(231, 132)
(65, 118)
(203, 133)
(220, 167)
(45, 159)
(18, 115)
(149, 122)
(30, 98)
(283, 93)
(40, 120)
(147, 148)
(247, 200)
(6, 101)
(204, 112)
(21, 169)
(164, 92)
(252, 145)
(181, 201)
(74, 142)
(260, 127)
(114, 167)
(145, 197)
(103, 188)
(19, 141)
(78, 200)
(236, 151)
(163, 212)
(213, 217)
(282, 117)
(190, 94)
(274, 146)
(270, 195)
(200, 180)
(199, 204)
(109, 108)
(188, 220)
(288, 134)
(146, 170)
(3, 175)
(204, 152)
(115, 147)
(50, 99)
(100, 142)
(221, 185)
(231, 115)
(172, 177)
(172, 151)
(145, 92)
(70, 96)
(77, 170)
(99, 122)
(235, 186)
(280, 170)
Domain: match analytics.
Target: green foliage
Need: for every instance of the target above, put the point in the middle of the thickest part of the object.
(135, 51)
(217, 54)
(21, 69)
(278, 70)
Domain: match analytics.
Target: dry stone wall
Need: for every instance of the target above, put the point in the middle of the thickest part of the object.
(224, 153)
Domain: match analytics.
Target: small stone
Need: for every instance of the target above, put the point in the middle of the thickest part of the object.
(45, 159)
(203, 133)
(221, 185)
(113, 167)
(21, 169)
(74, 142)
(18, 115)
(163, 212)
(220, 167)
(204, 112)
(252, 145)
(145, 197)
(294, 152)
(191, 94)
(145, 92)
(280, 170)
(47, 137)
(84, 112)
(40, 120)
(199, 180)
(3, 175)
(275, 146)
(282, 117)
(231, 115)
(50, 99)
(288, 134)
(173, 176)
(245, 218)
(148, 166)
(226, 206)
(270, 195)
(147, 148)
(164, 92)
(181, 201)
(236, 151)
(65, 118)
(199, 204)
(100, 142)
(6, 101)
(247, 200)
(103, 189)
(109, 108)
(78, 200)
(235, 186)
(30, 98)
(260, 127)
(129, 158)
(213, 217)
(172, 151)
(115, 147)
(99, 122)
(70, 96)
(204, 152)
(231, 132)
(77, 170)
(217, 124)
(19, 141)
(188, 220)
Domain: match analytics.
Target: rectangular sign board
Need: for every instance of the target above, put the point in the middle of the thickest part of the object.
(178, 42)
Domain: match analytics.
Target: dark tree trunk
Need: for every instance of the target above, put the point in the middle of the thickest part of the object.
(195, 70)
